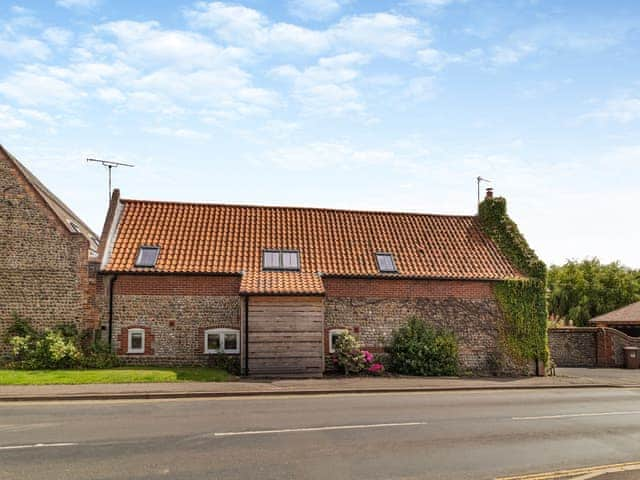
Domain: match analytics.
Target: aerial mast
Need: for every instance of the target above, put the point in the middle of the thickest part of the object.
(110, 165)
(479, 180)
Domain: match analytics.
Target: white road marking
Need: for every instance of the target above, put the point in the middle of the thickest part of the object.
(37, 445)
(318, 429)
(572, 415)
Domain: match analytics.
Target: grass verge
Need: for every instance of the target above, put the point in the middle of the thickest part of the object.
(112, 375)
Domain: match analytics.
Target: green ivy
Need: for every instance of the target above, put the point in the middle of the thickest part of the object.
(505, 233)
(524, 308)
(523, 301)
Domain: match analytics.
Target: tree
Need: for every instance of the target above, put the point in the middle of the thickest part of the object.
(579, 291)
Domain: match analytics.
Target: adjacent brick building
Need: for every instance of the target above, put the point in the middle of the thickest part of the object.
(47, 255)
(276, 285)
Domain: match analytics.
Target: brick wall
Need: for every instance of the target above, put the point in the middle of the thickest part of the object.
(403, 288)
(174, 311)
(589, 347)
(44, 274)
(374, 308)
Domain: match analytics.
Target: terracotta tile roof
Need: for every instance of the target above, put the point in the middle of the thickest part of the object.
(281, 282)
(209, 238)
(69, 219)
(629, 314)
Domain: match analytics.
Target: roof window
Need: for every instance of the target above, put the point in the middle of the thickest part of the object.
(386, 264)
(147, 257)
(281, 260)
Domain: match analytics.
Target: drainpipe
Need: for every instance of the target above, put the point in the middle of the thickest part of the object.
(246, 335)
(112, 282)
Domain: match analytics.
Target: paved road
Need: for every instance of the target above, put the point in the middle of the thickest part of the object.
(470, 435)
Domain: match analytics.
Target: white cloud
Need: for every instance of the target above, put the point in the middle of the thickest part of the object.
(58, 37)
(23, 47)
(9, 119)
(110, 95)
(147, 44)
(32, 87)
(314, 9)
(437, 59)
(430, 3)
(327, 88)
(421, 89)
(317, 155)
(77, 3)
(182, 133)
(623, 109)
(386, 34)
(37, 115)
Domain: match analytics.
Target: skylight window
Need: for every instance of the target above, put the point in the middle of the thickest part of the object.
(147, 257)
(281, 260)
(386, 264)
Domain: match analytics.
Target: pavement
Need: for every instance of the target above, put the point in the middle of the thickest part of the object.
(565, 378)
(461, 435)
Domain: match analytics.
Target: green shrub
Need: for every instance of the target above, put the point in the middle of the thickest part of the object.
(418, 349)
(98, 354)
(60, 347)
(228, 363)
(349, 355)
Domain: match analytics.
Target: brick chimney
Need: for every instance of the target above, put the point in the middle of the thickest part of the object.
(489, 193)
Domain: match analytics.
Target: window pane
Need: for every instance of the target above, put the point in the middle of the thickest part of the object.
(290, 260)
(334, 339)
(271, 260)
(230, 341)
(136, 341)
(147, 257)
(385, 262)
(213, 341)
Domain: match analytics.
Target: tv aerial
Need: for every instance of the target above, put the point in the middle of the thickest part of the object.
(110, 165)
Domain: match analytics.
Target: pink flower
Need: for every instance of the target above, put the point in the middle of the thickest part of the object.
(376, 368)
(368, 356)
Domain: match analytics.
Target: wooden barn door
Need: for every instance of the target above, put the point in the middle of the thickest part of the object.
(286, 336)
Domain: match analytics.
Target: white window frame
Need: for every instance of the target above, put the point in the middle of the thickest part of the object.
(130, 334)
(332, 332)
(221, 332)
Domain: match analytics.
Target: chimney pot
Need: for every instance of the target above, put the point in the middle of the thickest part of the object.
(489, 193)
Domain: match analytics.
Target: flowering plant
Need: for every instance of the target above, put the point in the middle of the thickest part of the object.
(349, 354)
(376, 369)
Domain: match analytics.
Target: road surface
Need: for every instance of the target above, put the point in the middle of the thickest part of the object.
(461, 435)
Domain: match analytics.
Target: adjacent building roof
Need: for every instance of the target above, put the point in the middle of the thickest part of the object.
(70, 220)
(214, 238)
(625, 315)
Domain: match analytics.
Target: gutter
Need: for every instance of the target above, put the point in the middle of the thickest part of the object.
(112, 282)
(246, 336)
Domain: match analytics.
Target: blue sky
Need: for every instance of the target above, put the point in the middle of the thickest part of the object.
(338, 103)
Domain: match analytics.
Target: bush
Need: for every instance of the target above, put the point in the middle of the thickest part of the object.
(418, 349)
(228, 363)
(60, 347)
(98, 354)
(349, 354)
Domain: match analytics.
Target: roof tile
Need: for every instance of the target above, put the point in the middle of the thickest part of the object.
(210, 238)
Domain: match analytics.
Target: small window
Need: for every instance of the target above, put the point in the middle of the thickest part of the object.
(74, 226)
(136, 340)
(221, 340)
(281, 260)
(147, 256)
(386, 263)
(334, 334)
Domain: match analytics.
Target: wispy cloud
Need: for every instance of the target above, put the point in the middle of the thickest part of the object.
(315, 9)
(386, 34)
(624, 109)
